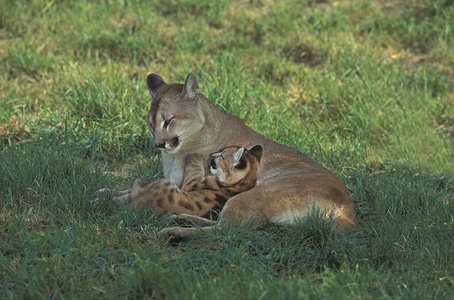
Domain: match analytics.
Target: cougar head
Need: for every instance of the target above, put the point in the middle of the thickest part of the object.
(175, 112)
(234, 164)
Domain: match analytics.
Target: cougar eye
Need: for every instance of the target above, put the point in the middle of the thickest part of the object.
(167, 122)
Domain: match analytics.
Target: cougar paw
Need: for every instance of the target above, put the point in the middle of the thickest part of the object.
(172, 234)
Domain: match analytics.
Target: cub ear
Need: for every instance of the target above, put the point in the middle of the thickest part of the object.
(237, 156)
(191, 86)
(256, 151)
(154, 84)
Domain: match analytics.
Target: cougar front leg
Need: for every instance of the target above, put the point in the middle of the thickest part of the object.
(195, 220)
(123, 196)
(177, 234)
(194, 169)
(119, 196)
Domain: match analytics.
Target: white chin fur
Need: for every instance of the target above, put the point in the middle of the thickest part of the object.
(213, 171)
(218, 173)
(174, 150)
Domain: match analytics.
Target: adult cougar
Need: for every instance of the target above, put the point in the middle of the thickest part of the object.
(289, 184)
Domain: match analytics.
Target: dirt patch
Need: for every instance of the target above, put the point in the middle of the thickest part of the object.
(304, 55)
(14, 131)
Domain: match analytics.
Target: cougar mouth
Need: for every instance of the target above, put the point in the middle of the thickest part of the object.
(212, 163)
(174, 143)
(173, 150)
(170, 147)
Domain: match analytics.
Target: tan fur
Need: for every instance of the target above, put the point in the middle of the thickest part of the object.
(289, 184)
(235, 171)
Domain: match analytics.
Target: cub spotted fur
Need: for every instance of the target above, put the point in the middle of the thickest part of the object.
(233, 170)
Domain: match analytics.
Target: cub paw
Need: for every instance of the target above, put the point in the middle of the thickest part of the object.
(141, 182)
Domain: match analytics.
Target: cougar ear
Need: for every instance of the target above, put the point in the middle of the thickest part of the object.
(191, 86)
(256, 151)
(237, 156)
(154, 84)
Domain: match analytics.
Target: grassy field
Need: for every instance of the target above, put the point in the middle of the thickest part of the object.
(363, 87)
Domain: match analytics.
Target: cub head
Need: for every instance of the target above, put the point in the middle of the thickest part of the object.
(175, 113)
(236, 165)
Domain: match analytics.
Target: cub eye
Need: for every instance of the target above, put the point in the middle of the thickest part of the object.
(167, 122)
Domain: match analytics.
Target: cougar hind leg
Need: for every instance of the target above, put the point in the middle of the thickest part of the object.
(195, 220)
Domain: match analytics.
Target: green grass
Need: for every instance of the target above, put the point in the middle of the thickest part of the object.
(363, 87)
